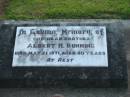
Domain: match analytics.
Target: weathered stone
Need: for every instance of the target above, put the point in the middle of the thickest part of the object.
(115, 75)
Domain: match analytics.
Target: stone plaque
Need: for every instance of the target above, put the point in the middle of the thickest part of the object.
(70, 46)
(63, 54)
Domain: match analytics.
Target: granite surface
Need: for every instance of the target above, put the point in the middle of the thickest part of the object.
(115, 76)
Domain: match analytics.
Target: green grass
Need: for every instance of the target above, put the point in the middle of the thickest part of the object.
(67, 9)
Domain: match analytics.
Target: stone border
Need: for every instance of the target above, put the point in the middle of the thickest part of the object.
(116, 79)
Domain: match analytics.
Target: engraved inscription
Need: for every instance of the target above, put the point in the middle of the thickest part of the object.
(62, 46)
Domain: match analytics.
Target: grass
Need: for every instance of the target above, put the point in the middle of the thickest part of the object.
(67, 9)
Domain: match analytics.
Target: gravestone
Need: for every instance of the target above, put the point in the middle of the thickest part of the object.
(62, 54)
(57, 46)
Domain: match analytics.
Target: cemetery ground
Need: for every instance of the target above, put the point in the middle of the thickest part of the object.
(64, 9)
